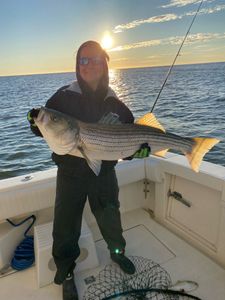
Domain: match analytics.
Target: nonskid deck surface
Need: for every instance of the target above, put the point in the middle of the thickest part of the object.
(145, 238)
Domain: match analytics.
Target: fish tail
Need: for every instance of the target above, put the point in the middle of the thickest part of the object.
(199, 149)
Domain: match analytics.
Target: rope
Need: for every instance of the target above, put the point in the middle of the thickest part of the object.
(24, 253)
(178, 52)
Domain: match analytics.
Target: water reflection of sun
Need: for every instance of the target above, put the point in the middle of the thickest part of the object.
(116, 82)
(112, 74)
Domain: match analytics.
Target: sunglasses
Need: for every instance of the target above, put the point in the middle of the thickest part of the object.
(95, 60)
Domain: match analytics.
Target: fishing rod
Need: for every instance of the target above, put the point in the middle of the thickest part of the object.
(178, 52)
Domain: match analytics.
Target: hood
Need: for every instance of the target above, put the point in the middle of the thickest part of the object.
(102, 89)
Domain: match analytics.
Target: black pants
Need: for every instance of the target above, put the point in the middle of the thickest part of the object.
(71, 194)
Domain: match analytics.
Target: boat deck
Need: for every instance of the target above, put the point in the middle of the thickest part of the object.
(145, 238)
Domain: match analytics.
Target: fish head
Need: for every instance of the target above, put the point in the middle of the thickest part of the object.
(59, 130)
(54, 121)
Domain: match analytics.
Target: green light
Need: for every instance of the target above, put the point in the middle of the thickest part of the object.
(117, 251)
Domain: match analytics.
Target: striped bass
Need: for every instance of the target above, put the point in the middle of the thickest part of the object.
(112, 141)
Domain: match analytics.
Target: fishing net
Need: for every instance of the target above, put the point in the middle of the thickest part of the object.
(150, 281)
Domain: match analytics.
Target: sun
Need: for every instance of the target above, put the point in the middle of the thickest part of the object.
(107, 41)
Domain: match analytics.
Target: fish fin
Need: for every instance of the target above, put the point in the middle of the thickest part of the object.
(161, 153)
(94, 164)
(149, 119)
(110, 118)
(200, 148)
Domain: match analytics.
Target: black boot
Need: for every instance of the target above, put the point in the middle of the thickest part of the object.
(69, 288)
(125, 263)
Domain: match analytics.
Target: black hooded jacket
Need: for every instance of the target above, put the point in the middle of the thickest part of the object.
(87, 106)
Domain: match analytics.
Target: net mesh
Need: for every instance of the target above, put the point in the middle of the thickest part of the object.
(111, 281)
(146, 283)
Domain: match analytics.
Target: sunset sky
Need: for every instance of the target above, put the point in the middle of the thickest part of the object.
(42, 36)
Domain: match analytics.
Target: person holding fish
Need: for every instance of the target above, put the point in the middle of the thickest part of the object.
(90, 100)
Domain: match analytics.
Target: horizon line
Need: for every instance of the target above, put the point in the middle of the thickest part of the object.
(122, 68)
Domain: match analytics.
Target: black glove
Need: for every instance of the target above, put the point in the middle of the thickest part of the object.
(33, 113)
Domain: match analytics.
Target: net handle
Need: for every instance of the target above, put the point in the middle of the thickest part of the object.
(153, 290)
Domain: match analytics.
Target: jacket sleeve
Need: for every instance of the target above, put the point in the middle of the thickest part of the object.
(54, 101)
(33, 126)
(116, 106)
(126, 115)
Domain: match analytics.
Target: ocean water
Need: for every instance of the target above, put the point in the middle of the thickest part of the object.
(192, 104)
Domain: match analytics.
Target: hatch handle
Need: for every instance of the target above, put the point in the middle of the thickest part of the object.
(179, 197)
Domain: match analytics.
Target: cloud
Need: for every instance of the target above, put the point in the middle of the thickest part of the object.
(193, 38)
(203, 48)
(153, 56)
(166, 17)
(176, 40)
(119, 59)
(180, 3)
(155, 19)
(203, 37)
(205, 11)
(136, 45)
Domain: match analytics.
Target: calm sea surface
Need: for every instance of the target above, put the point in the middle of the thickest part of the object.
(191, 104)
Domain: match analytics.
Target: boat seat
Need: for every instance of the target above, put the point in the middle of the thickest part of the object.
(45, 265)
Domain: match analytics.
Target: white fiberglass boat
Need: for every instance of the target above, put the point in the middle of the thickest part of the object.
(170, 214)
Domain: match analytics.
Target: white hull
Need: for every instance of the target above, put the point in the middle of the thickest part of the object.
(144, 185)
